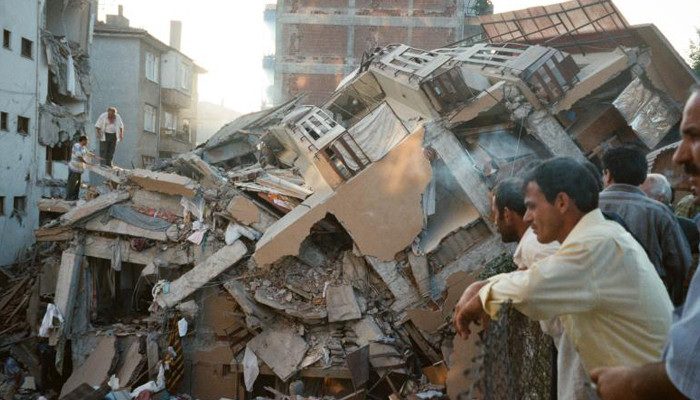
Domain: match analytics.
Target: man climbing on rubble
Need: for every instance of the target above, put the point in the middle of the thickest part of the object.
(76, 167)
(677, 376)
(650, 221)
(508, 208)
(110, 131)
(600, 282)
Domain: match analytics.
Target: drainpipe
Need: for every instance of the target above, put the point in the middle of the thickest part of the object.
(160, 105)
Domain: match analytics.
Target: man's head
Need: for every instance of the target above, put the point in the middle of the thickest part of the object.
(83, 140)
(624, 164)
(688, 153)
(656, 187)
(508, 208)
(111, 111)
(558, 194)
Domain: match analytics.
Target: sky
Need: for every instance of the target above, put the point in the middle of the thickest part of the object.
(228, 37)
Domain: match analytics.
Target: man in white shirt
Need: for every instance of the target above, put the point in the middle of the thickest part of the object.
(508, 209)
(110, 130)
(76, 166)
(600, 282)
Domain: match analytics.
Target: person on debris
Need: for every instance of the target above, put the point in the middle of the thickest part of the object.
(625, 168)
(508, 209)
(110, 131)
(600, 282)
(657, 187)
(677, 376)
(76, 166)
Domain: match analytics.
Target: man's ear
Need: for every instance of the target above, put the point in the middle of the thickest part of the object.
(507, 215)
(562, 202)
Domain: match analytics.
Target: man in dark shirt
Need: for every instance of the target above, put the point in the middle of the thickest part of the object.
(651, 222)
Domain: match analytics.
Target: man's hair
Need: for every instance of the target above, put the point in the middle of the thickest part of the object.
(509, 193)
(82, 137)
(595, 173)
(565, 175)
(626, 165)
(112, 108)
(659, 187)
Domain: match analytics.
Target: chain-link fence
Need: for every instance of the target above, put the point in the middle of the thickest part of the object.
(517, 357)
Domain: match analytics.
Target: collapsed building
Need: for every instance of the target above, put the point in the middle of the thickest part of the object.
(318, 251)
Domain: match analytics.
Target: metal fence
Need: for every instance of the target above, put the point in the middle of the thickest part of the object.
(517, 358)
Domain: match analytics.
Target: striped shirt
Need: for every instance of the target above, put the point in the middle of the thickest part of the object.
(655, 226)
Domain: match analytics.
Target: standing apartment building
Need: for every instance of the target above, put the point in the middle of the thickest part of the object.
(44, 104)
(152, 84)
(318, 42)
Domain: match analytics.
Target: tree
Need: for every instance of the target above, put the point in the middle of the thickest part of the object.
(695, 55)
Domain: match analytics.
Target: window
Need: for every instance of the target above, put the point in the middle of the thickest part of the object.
(22, 125)
(2, 205)
(185, 76)
(6, 39)
(3, 121)
(20, 205)
(152, 64)
(147, 161)
(170, 123)
(149, 118)
(27, 48)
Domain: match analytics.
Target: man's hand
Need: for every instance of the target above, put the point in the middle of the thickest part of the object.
(121, 135)
(469, 309)
(614, 383)
(98, 133)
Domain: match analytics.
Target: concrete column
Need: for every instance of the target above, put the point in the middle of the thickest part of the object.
(409, 28)
(460, 165)
(548, 130)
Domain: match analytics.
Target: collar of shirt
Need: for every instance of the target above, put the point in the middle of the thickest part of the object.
(623, 187)
(590, 220)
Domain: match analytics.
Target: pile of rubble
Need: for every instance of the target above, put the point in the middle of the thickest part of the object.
(318, 251)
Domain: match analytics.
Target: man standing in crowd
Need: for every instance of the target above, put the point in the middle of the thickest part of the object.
(508, 209)
(76, 167)
(600, 282)
(678, 375)
(110, 131)
(625, 168)
(657, 187)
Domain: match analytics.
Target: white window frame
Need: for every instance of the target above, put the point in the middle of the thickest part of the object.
(170, 123)
(149, 118)
(185, 76)
(152, 66)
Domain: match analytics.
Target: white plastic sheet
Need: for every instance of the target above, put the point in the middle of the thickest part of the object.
(182, 327)
(250, 369)
(47, 323)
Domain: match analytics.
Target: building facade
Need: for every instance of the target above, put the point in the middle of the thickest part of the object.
(44, 103)
(153, 86)
(319, 42)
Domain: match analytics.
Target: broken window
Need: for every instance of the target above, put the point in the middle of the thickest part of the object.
(152, 64)
(6, 38)
(20, 204)
(318, 128)
(3, 121)
(59, 152)
(149, 118)
(22, 125)
(27, 48)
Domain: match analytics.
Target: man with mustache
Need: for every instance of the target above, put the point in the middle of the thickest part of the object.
(600, 282)
(678, 375)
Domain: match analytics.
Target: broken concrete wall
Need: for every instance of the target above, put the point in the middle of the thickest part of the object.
(380, 208)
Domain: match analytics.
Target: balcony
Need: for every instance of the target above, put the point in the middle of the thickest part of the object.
(175, 141)
(175, 98)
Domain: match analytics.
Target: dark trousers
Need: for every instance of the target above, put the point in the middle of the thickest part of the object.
(107, 148)
(73, 185)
